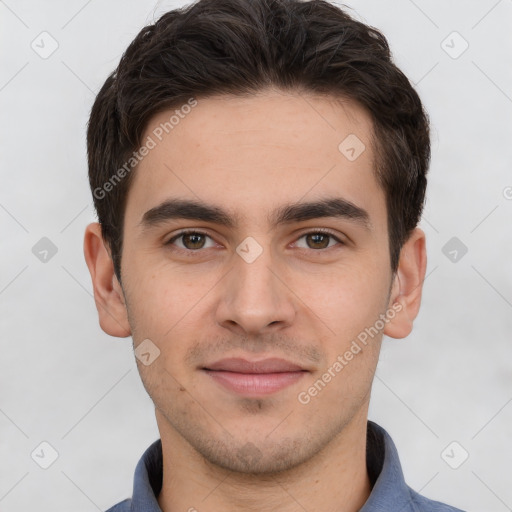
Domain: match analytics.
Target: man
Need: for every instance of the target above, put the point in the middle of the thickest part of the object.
(259, 170)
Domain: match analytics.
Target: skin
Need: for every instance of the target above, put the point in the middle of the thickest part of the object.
(296, 301)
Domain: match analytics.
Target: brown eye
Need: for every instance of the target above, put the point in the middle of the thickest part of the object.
(193, 241)
(318, 240)
(190, 240)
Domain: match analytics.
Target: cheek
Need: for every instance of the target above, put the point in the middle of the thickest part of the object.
(347, 299)
(163, 298)
(164, 308)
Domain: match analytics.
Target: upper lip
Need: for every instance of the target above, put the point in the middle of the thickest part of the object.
(239, 365)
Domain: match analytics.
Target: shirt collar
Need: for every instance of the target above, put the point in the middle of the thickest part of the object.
(389, 491)
(383, 464)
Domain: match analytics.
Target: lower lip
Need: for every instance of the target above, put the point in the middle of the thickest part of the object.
(255, 384)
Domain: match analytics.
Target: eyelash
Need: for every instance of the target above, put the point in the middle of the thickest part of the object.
(202, 233)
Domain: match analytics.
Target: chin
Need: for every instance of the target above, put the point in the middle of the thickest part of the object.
(256, 457)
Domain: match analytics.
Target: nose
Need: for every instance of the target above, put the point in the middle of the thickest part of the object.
(255, 298)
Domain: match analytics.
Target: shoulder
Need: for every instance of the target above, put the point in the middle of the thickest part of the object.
(123, 506)
(390, 490)
(421, 504)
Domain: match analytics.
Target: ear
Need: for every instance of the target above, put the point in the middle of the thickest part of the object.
(108, 293)
(405, 297)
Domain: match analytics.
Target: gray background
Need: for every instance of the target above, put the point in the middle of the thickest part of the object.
(63, 381)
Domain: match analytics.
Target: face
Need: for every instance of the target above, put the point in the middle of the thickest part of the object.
(283, 264)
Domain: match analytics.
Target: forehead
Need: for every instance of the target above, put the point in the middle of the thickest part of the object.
(252, 153)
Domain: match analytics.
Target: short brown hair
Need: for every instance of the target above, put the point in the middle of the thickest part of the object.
(243, 46)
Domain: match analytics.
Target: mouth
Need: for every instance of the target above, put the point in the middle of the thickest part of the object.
(254, 378)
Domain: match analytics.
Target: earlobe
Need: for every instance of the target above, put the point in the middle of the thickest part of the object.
(108, 295)
(405, 298)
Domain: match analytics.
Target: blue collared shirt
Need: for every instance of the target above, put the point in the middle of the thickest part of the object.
(389, 493)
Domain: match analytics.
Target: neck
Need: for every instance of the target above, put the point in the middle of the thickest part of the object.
(334, 480)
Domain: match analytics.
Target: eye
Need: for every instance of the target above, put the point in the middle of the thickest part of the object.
(318, 240)
(191, 240)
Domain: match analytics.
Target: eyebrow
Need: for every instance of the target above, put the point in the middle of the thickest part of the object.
(177, 208)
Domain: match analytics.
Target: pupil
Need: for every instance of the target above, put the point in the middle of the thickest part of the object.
(194, 239)
(319, 238)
